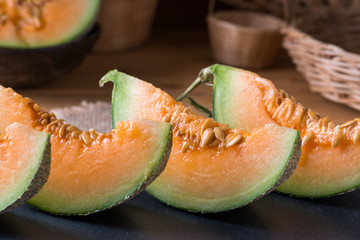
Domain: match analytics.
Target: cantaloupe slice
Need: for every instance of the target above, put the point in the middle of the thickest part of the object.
(24, 164)
(330, 162)
(91, 171)
(40, 23)
(211, 168)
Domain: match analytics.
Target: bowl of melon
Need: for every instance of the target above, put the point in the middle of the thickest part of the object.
(41, 39)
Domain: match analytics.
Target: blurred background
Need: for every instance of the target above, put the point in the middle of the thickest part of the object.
(167, 43)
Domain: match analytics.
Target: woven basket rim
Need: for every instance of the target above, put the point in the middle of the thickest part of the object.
(291, 30)
(212, 17)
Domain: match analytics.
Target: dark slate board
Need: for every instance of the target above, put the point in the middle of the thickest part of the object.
(275, 216)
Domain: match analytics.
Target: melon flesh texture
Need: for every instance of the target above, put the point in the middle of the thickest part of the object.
(88, 178)
(322, 171)
(61, 21)
(207, 179)
(24, 164)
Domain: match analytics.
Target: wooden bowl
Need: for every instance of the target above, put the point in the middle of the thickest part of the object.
(32, 67)
(244, 39)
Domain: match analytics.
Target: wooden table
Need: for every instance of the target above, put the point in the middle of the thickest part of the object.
(171, 60)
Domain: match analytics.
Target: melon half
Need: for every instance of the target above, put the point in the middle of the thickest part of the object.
(24, 164)
(211, 168)
(41, 23)
(330, 158)
(91, 171)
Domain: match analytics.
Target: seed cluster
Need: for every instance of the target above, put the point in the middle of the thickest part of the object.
(27, 14)
(200, 132)
(49, 123)
(284, 109)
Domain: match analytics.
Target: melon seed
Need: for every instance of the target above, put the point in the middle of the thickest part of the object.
(166, 118)
(207, 137)
(187, 110)
(71, 128)
(62, 130)
(325, 121)
(86, 138)
(219, 134)
(36, 107)
(44, 121)
(53, 128)
(93, 135)
(216, 142)
(76, 134)
(234, 140)
(44, 115)
(331, 125)
(348, 123)
(356, 136)
(207, 124)
(185, 147)
(307, 137)
(335, 140)
(312, 115)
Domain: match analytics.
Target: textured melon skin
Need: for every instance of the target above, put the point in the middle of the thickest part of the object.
(39, 178)
(124, 107)
(230, 92)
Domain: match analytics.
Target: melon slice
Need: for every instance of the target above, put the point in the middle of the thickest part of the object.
(211, 168)
(24, 164)
(40, 23)
(91, 171)
(330, 159)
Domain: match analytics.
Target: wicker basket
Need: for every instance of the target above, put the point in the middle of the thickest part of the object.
(326, 52)
(244, 39)
(323, 41)
(125, 24)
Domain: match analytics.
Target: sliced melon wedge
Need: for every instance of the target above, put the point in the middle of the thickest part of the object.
(91, 171)
(24, 164)
(330, 162)
(211, 168)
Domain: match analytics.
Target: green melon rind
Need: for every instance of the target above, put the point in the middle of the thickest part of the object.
(158, 165)
(223, 79)
(122, 99)
(223, 76)
(292, 161)
(37, 179)
(121, 96)
(293, 192)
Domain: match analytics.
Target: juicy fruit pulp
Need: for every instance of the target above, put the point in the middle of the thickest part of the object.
(330, 159)
(39, 23)
(24, 164)
(91, 171)
(211, 168)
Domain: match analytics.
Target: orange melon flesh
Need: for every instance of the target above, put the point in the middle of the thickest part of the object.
(241, 99)
(59, 22)
(86, 178)
(210, 178)
(23, 163)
